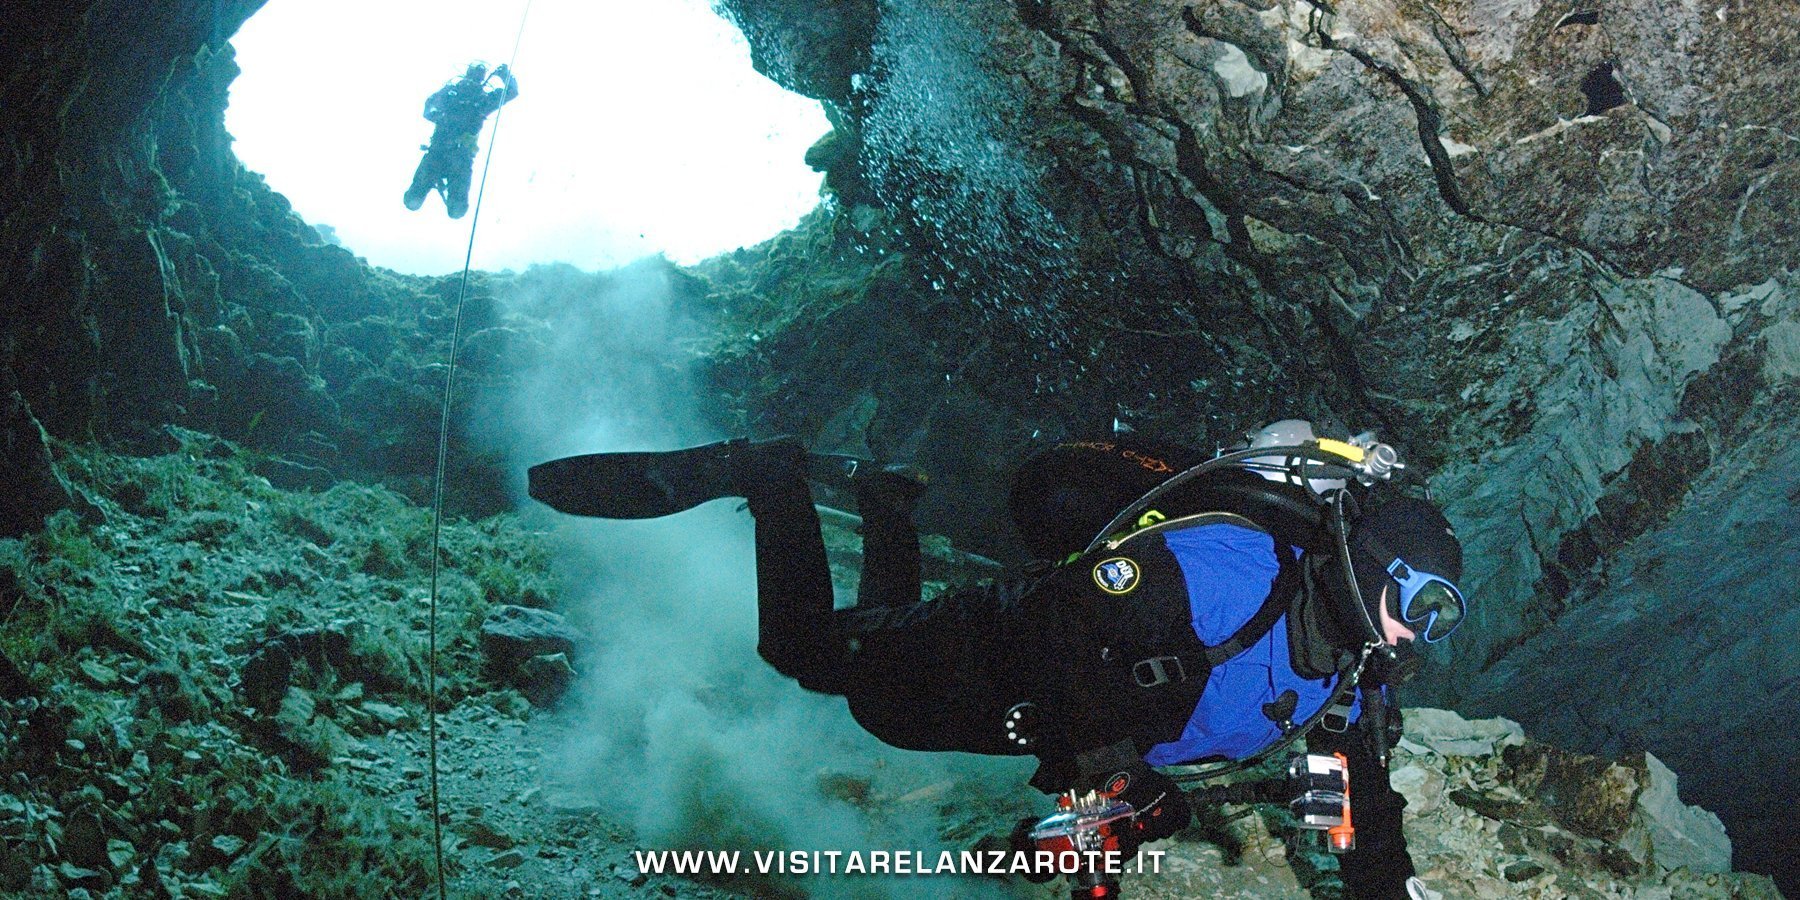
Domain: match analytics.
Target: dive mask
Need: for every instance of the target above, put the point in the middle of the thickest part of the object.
(1429, 604)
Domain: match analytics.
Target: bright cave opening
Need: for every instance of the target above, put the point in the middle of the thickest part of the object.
(640, 128)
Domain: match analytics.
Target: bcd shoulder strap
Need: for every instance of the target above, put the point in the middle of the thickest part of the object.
(1177, 665)
(1149, 674)
(1187, 658)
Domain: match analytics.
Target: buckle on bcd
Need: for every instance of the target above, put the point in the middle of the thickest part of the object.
(1336, 719)
(1154, 671)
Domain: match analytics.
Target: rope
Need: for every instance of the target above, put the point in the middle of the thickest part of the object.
(437, 484)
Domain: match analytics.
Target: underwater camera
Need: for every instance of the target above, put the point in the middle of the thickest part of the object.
(1320, 786)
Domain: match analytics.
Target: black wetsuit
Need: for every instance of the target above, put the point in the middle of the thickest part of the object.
(942, 675)
(458, 109)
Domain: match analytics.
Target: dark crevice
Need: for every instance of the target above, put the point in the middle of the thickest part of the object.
(1426, 112)
(1535, 619)
(1579, 17)
(1192, 166)
(1112, 56)
(1356, 262)
(1430, 120)
(1603, 89)
(1191, 163)
(1454, 50)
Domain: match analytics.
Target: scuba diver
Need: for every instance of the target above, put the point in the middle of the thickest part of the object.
(1227, 609)
(458, 109)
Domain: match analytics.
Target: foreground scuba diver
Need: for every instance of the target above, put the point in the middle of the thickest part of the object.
(1234, 609)
(458, 109)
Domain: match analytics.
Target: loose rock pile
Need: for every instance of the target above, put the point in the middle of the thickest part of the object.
(1492, 814)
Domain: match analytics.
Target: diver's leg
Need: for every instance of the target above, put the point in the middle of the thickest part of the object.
(456, 186)
(1380, 864)
(796, 632)
(925, 676)
(424, 178)
(891, 564)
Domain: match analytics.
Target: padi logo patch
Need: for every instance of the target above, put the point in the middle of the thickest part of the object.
(1117, 575)
(1117, 784)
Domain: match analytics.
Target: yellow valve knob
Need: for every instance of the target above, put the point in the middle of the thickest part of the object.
(1346, 450)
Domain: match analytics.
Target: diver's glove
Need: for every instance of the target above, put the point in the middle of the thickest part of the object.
(1160, 807)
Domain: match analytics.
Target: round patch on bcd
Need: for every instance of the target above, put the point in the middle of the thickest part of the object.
(1117, 575)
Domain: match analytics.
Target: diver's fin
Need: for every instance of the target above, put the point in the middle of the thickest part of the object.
(645, 485)
(639, 485)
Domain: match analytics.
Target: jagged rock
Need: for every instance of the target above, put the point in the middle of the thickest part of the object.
(341, 366)
(1590, 796)
(811, 48)
(34, 486)
(372, 338)
(269, 671)
(544, 678)
(290, 475)
(170, 688)
(482, 834)
(228, 845)
(630, 876)
(1448, 734)
(387, 714)
(84, 840)
(277, 394)
(1523, 871)
(513, 635)
(13, 683)
(99, 674)
(293, 337)
(310, 739)
(172, 857)
(493, 350)
(1679, 835)
(1521, 814)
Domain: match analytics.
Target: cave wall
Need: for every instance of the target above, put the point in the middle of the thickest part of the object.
(82, 256)
(1541, 244)
(148, 279)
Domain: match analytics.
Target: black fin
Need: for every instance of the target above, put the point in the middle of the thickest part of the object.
(638, 485)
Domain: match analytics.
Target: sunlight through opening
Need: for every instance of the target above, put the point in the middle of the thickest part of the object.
(640, 128)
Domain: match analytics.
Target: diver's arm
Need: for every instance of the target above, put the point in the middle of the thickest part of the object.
(1379, 867)
(508, 93)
